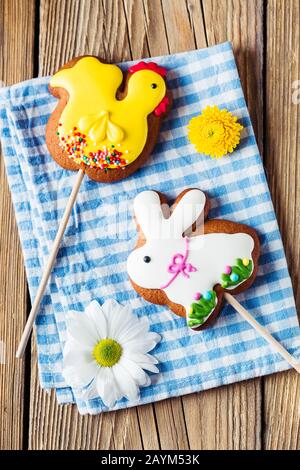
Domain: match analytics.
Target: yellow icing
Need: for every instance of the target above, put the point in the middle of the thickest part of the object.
(93, 108)
(99, 126)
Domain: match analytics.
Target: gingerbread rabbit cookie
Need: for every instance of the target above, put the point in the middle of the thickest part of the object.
(187, 263)
(105, 122)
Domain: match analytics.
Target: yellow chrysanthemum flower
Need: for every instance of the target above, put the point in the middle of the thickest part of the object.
(215, 132)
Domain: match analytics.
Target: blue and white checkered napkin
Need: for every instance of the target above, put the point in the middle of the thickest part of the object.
(92, 261)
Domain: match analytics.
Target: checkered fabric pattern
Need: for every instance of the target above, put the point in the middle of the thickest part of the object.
(91, 263)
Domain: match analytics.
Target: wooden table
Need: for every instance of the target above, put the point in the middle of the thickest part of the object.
(36, 38)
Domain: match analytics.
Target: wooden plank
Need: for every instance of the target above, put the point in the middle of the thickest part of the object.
(16, 64)
(156, 34)
(171, 424)
(73, 28)
(148, 427)
(148, 36)
(98, 28)
(229, 417)
(225, 418)
(186, 17)
(282, 391)
(241, 22)
(41, 404)
(61, 427)
(173, 30)
(184, 25)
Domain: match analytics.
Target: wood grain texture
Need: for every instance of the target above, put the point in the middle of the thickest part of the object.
(226, 418)
(242, 23)
(281, 392)
(70, 28)
(168, 415)
(16, 64)
(43, 405)
(171, 425)
(61, 427)
(233, 412)
(91, 29)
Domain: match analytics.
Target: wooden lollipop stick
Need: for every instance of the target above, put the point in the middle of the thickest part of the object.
(49, 266)
(263, 332)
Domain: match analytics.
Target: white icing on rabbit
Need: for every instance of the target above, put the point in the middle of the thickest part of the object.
(184, 268)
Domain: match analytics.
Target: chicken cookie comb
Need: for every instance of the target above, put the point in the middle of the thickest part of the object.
(105, 125)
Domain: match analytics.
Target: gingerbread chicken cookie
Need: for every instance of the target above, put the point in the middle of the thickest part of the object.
(106, 123)
(186, 263)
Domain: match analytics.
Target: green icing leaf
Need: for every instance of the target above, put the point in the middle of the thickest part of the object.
(243, 273)
(201, 309)
(245, 270)
(192, 323)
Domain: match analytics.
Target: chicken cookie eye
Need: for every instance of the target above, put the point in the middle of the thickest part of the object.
(147, 259)
(154, 85)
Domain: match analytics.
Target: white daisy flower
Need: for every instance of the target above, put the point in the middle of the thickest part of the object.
(106, 352)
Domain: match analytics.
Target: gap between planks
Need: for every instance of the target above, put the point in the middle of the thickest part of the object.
(16, 64)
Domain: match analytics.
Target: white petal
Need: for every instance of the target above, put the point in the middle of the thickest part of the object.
(90, 392)
(81, 330)
(150, 367)
(145, 361)
(116, 325)
(97, 317)
(141, 336)
(77, 357)
(119, 318)
(148, 381)
(126, 383)
(154, 336)
(136, 372)
(71, 345)
(79, 376)
(109, 307)
(139, 346)
(137, 328)
(107, 387)
(136, 357)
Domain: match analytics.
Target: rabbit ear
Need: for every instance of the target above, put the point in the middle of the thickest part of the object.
(147, 209)
(187, 211)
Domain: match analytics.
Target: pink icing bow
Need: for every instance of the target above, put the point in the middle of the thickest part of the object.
(179, 265)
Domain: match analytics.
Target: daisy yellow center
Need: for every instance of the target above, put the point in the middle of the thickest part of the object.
(107, 352)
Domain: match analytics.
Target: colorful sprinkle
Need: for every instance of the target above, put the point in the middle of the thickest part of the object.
(227, 270)
(234, 277)
(207, 295)
(74, 144)
(246, 261)
(197, 296)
